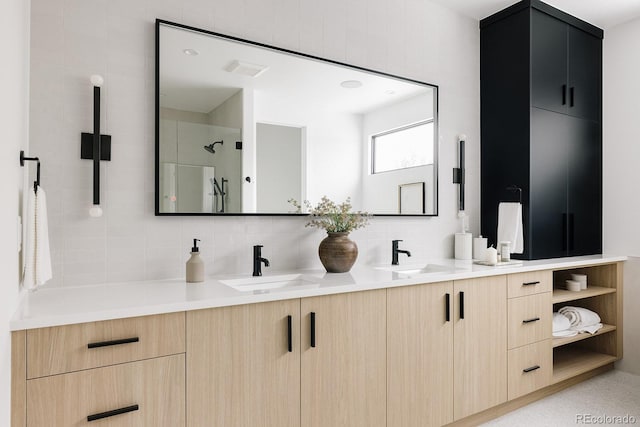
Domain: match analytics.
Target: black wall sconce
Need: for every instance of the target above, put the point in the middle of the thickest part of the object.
(96, 147)
(458, 173)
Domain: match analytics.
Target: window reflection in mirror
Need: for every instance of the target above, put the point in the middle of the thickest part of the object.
(244, 128)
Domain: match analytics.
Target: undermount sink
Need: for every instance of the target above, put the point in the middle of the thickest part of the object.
(266, 283)
(414, 270)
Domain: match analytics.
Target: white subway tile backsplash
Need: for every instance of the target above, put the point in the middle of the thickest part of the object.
(72, 39)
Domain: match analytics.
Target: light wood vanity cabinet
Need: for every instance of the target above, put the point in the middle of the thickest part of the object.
(480, 345)
(447, 350)
(343, 370)
(410, 356)
(242, 369)
(248, 366)
(125, 372)
(149, 393)
(529, 332)
(420, 355)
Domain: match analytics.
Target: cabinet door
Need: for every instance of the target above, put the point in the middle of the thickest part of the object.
(548, 62)
(584, 187)
(480, 345)
(240, 371)
(344, 374)
(585, 75)
(420, 355)
(548, 197)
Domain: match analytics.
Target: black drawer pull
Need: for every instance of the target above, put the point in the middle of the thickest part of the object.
(289, 334)
(107, 414)
(535, 319)
(114, 342)
(313, 329)
(447, 307)
(531, 283)
(531, 369)
(564, 94)
(462, 305)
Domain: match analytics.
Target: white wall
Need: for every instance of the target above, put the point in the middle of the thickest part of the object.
(333, 161)
(14, 108)
(621, 175)
(278, 167)
(73, 39)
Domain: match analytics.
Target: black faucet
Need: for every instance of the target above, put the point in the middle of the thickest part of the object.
(395, 251)
(258, 260)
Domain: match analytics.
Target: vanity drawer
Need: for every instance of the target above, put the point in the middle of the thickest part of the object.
(147, 393)
(534, 282)
(62, 349)
(530, 368)
(529, 319)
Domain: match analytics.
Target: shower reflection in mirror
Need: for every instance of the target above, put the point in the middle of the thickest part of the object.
(199, 172)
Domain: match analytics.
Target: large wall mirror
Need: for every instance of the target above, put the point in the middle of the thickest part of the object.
(242, 128)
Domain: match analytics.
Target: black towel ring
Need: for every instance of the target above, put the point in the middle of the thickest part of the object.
(515, 188)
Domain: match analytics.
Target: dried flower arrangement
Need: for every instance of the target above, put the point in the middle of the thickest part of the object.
(332, 217)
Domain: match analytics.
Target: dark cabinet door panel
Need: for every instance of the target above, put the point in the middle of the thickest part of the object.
(584, 187)
(548, 194)
(585, 74)
(548, 62)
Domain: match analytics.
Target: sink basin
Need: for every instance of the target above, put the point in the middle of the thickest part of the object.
(414, 270)
(266, 283)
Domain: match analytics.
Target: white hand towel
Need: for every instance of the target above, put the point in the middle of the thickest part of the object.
(580, 317)
(560, 322)
(37, 268)
(510, 225)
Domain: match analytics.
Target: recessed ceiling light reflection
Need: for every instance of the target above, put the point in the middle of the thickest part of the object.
(351, 84)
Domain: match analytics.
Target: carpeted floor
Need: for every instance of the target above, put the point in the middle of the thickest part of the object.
(612, 394)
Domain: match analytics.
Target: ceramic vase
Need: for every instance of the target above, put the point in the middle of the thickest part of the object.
(337, 252)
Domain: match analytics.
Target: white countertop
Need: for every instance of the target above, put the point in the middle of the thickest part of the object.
(69, 305)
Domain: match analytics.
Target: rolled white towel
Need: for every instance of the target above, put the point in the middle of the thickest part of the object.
(564, 334)
(579, 316)
(592, 329)
(560, 322)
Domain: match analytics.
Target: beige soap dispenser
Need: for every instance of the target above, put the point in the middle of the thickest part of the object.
(195, 265)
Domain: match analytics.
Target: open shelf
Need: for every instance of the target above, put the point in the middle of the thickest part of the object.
(562, 295)
(558, 342)
(570, 361)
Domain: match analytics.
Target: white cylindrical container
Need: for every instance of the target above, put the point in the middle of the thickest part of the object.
(505, 251)
(573, 286)
(479, 247)
(580, 278)
(463, 246)
(491, 255)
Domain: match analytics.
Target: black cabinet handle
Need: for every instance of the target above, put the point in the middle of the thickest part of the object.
(289, 334)
(564, 231)
(313, 329)
(107, 414)
(564, 94)
(113, 342)
(571, 90)
(533, 368)
(535, 319)
(537, 282)
(462, 305)
(447, 307)
(571, 231)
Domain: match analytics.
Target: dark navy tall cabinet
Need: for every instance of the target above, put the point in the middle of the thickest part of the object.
(541, 127)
